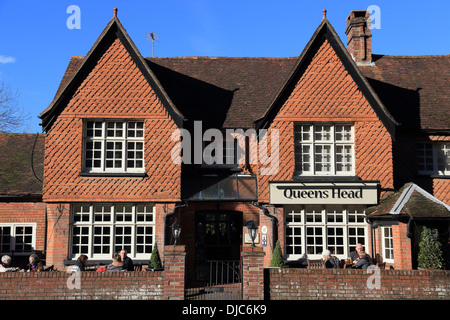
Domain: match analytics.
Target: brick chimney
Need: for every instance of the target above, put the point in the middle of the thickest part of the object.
(359, 37)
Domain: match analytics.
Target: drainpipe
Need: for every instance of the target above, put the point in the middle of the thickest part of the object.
(274, 221)
(409, 228)
(166, 219)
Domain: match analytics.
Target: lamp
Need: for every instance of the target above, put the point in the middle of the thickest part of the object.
(176, 231)
(252, 228)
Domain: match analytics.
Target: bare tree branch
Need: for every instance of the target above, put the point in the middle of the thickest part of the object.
(11, 115)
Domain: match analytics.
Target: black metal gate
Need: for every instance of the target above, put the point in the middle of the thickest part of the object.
(224, 282)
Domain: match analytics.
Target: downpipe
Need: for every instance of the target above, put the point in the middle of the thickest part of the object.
(274, 221)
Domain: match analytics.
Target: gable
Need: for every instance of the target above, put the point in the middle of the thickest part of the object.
(112, 67)
(327, 78)
(325, 91)
(115, 86)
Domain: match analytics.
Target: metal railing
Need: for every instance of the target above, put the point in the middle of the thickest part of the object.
(224, 282)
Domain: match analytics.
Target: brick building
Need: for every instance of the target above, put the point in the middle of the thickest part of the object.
(331, 144)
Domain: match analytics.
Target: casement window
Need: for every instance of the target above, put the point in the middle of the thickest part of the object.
(311, 229)
(113, 146)
(324, 149)
(387, 244)
(434, 158)
(19, 238)
(98, 230)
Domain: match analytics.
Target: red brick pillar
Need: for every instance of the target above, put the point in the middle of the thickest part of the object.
(253, 273)
(174, 272)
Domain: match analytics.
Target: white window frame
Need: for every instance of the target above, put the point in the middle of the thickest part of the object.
(431, 156)
(310, 137)
(89, 223)
(298, 228)
(14, 238)
(104, 140)
(387, 235)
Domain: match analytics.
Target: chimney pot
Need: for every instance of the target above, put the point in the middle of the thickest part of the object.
(359, 37)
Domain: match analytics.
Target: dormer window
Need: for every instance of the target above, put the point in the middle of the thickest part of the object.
(113, 146)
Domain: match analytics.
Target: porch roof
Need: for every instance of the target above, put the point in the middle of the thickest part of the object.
(411, 200)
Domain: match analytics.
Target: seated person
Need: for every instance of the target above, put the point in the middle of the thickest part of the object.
(355, 255)
(5, 265)
(35, 264)
(331, 262)
(117, 264)
(363, 262)
(80, 265)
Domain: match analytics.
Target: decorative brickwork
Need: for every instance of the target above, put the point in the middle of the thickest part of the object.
(117, 79)
(326, 92)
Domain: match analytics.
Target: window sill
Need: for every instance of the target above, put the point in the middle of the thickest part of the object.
(114, 174)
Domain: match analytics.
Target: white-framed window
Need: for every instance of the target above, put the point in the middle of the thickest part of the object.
(324, 149)
(113, 146)
(387, 244)
(310, 229)
(19, 238)
(433, 158)
(100, 229)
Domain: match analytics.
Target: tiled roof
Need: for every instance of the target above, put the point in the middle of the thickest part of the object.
(222, 92)
(235, 92)
(21, 155)
(415, 89)
(413, 201)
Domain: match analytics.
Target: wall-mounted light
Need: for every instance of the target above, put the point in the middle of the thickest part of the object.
(252, 230)
(176, 231)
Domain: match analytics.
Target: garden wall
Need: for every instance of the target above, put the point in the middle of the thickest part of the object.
(89, 286)
(354, 284)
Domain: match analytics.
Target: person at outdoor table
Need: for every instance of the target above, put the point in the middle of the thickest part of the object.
(331, 262)
(363, 262)
(80, 264)
(355, 255)
(35, 264)
(117, 264)
(129, 266)
(4, 265)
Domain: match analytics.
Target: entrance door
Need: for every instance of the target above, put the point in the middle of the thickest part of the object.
(218, 238)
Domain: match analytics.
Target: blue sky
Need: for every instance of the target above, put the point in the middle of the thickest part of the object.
(36, 44)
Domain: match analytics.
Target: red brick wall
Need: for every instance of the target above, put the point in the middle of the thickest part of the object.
(93, 286)
(175, 275)
(351, 284)
(253, 273)
(26, 212)
(326, 92)
(114, 89)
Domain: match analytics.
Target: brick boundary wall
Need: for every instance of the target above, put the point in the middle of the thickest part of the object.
(352, 284)
(93, 285)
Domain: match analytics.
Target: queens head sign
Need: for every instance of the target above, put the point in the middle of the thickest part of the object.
(360, 192)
